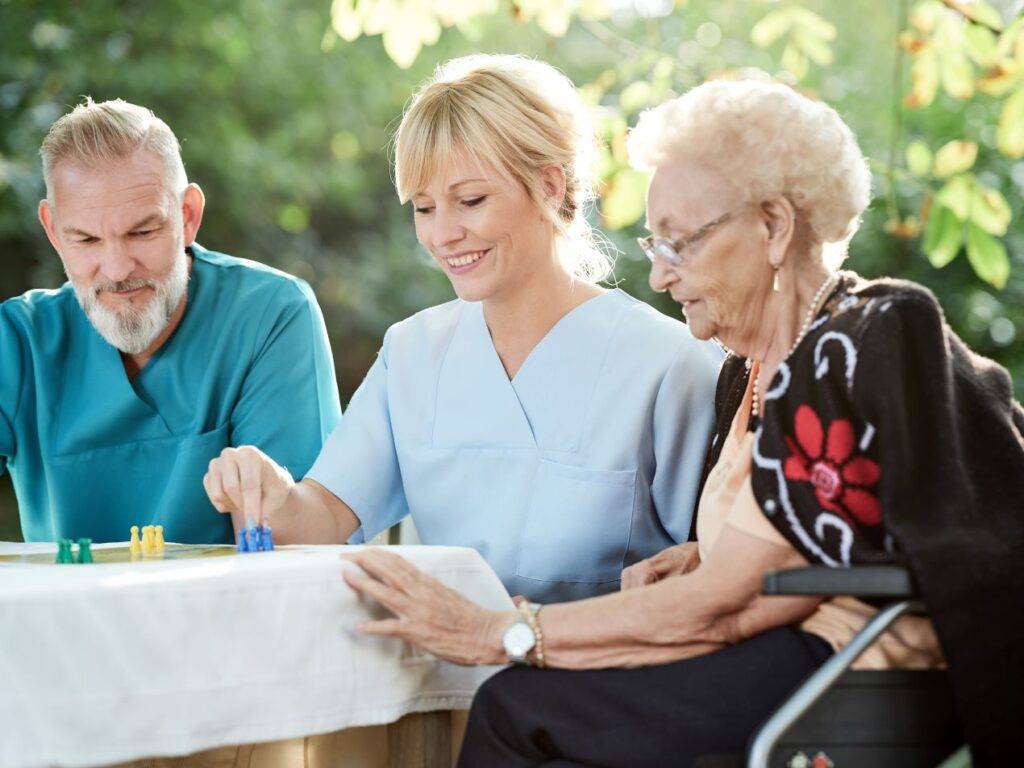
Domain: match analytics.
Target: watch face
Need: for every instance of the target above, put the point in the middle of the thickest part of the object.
(518, 640)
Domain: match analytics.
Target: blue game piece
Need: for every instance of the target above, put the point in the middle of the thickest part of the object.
(268, 539)
(243, 541)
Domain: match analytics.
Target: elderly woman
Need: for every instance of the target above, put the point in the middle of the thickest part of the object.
(519, 418)
(853, 427)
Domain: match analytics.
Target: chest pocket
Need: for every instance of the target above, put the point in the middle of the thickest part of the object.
(577, 525)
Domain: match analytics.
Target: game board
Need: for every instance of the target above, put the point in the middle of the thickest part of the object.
(122, 554)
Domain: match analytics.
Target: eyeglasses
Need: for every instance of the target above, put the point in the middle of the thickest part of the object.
(673, 251)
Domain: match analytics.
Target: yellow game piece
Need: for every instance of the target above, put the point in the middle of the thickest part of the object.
(135, 546)
(147, 540)
(158, 539)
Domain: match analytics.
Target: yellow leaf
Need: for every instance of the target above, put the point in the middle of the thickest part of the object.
(924, 77)
(955, 157)
(979, 11)
(635, 96)
(815, 48)
(1010, 37)
(623, 203)
(1010, 131)
(813, 23)
(773, 26)
(1001, 79)
(924, 15)
(345, 20)
(990, 211)
(794, 61)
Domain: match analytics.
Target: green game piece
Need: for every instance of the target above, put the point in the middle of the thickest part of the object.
(64, 551)
(85, 550)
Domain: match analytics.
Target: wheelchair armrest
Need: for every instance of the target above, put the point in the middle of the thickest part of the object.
(857, 581)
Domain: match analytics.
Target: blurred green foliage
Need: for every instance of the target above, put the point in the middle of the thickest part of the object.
(285, 111)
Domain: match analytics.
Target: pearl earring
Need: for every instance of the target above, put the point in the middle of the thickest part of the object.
(775, 281)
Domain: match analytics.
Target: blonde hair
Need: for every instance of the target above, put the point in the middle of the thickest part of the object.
(112, 130)
(772, 142)
(518, 115)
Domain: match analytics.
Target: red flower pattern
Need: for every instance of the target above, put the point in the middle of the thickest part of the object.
(843, 482)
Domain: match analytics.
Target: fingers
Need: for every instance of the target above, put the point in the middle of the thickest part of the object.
(638, 575)
(392, 599)
(383, 627)
(387, 567)
(215, 490)
(250, 477)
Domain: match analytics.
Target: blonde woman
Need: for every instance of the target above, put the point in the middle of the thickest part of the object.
(556, 426)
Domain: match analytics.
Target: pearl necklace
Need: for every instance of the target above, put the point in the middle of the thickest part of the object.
(819, 297)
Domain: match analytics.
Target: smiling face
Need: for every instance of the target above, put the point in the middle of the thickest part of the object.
(121, 236)
(722, 280)
(483, 229)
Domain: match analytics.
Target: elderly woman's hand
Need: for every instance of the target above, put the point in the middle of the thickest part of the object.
(427, 613)
(674, 561)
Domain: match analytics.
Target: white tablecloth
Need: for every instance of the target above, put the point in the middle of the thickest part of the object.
(112, 662)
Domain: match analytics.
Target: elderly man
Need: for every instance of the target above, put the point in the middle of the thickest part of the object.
(119, 388)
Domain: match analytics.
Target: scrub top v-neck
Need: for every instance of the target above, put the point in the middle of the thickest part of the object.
(586, 461)
(92, 453)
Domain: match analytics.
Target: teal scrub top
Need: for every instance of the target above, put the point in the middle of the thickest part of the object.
(587, 461)
(92, 453)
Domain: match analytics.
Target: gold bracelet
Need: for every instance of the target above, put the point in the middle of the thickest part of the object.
(530, 612)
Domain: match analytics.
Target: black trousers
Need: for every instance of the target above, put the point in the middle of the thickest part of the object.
(666, 715)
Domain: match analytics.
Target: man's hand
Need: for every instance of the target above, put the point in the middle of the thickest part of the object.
(246, 483)
(674, 561)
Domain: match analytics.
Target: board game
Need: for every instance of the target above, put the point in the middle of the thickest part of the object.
(122, 554)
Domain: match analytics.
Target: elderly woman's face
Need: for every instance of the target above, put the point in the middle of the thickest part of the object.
(720, 280)
(482, 228)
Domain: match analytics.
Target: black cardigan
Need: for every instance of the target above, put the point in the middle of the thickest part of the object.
(885, 439)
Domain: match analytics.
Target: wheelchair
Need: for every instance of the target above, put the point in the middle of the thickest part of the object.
(843, 718)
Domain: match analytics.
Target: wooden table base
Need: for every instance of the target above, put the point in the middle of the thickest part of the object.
(421, 740)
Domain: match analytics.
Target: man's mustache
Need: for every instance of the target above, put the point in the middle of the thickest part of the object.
(123, 286)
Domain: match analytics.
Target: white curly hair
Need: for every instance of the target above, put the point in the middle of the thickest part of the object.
(772, 142)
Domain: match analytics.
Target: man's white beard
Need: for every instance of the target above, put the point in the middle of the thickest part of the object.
(133, 330)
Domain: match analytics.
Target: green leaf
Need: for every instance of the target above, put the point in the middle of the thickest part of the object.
(1010, 131)
(987, 256)
(919, 158)
(623, 204)
(990, 211)
(980, 44)
(942, 236)
(956, 195)
(773, 26)
(955, 157)
(957, 74)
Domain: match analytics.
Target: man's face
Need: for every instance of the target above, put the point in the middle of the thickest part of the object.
(119, 232)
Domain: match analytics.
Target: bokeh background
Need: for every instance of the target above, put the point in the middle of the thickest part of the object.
(285, 110)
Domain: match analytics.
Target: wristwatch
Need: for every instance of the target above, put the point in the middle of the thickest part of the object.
(518, 640)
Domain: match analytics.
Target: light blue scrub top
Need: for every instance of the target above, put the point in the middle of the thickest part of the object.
(587, 461)
(92, 453)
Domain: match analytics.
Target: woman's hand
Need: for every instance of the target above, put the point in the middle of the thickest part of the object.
(427, 613)
(674, 561)
(246, 483)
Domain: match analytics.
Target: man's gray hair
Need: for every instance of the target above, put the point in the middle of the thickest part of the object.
(92, 134)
